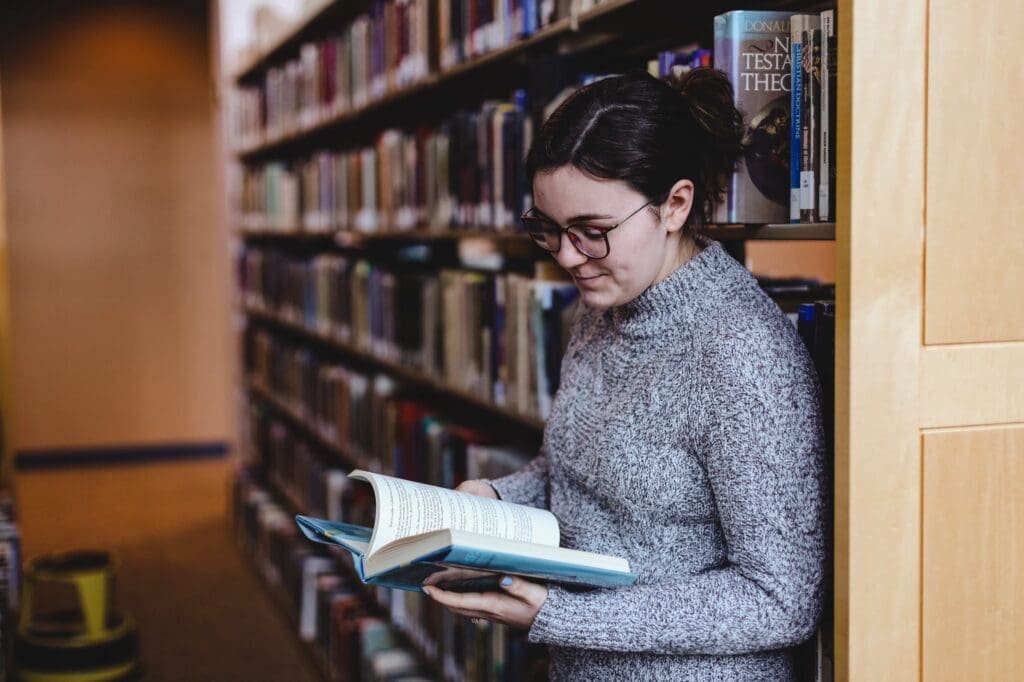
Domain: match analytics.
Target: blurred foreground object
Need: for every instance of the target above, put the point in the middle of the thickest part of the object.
(69, 630)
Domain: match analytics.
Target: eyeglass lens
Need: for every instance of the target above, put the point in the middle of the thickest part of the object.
(548, 236)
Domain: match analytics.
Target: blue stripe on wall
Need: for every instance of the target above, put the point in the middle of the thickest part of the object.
(77, 457)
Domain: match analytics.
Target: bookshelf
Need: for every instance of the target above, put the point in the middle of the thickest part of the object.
(772, 232)
(594, 34)
(927, 358)
(595, 23)
(398, 370)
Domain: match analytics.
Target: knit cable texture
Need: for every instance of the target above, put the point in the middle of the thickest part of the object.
(686, 437)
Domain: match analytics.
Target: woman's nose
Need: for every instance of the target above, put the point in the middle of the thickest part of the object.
(568, 256)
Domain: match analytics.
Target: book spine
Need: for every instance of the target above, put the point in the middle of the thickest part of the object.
(796, 114)
(810, 58)
(831, 48)
(824, 191)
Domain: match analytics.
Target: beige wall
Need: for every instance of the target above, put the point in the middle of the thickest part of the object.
(119, 276)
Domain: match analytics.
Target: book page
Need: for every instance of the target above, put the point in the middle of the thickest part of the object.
(405, 508)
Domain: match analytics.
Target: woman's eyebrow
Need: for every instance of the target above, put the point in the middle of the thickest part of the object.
(587, 216)
(576, 218)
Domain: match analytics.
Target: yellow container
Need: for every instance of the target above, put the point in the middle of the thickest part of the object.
(86, 640)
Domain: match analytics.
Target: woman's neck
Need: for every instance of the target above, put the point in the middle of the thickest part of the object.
(678, 254)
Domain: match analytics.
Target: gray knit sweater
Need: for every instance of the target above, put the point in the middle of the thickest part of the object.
(686, 437)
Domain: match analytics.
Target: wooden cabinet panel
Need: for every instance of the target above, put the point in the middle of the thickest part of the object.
(975, 173)
(879, 284)
(973, 555)
(977, 384)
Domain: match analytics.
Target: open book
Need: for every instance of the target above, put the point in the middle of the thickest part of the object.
(424, 534)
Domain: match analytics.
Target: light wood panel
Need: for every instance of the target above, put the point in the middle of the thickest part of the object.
(793, 259)
(974, 290)
(972, 384)
(118, 262)
(879, 291)
(973, 552)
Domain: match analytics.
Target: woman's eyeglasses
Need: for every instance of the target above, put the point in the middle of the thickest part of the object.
(590, 240)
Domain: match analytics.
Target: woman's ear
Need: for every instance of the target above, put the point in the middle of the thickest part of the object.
(678, 205)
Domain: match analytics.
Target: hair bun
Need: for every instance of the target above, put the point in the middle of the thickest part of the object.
(710, 100)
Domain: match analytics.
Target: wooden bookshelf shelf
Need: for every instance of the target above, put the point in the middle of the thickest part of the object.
(773, 232)
(611, 36)
(398, 370)
(350, 238)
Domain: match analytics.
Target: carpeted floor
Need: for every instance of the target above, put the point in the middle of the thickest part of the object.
(203, 613)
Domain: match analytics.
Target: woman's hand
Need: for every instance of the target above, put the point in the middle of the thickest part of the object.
(516, 605)
(478, 488)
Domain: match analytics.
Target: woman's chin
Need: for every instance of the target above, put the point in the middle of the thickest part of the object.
(596, 300)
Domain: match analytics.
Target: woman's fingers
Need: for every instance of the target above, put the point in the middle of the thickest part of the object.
(525, 590)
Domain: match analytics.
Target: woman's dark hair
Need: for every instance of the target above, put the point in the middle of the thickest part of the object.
(649, 134)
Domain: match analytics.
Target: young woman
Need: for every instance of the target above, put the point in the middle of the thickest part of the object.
(686, 433)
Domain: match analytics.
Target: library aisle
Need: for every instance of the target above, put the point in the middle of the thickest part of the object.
(203, 613)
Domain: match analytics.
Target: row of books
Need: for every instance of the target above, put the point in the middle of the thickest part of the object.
(467, 29)
(675, 63)
(497, 336)
(330, 602)
(415, 442)
(467, 172)
(783, 68)
(380, 51)
(395, 44)
(331, 612)
(379, 424)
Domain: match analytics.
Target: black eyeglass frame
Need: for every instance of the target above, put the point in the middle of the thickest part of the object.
(574, 238)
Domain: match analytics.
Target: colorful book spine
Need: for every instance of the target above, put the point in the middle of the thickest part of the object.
(810, 67)
(798, 25)
(753, 49)
(829, 76)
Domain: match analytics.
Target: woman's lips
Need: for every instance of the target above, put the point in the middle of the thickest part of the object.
(587, 280)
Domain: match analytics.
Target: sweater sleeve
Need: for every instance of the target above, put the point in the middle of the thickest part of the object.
(763, 454)
(527, 486)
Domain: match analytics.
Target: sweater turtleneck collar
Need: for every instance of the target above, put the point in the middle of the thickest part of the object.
(665, 303)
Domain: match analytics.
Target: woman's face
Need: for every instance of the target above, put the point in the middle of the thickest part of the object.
(638, 256)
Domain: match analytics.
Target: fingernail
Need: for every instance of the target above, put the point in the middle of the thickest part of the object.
(506, 581)
(426, 591)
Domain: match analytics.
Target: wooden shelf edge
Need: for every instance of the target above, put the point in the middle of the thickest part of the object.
(351, 237)
(771, 232)
(774, 232)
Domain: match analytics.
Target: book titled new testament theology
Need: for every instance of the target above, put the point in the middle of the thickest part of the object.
(425, 534)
